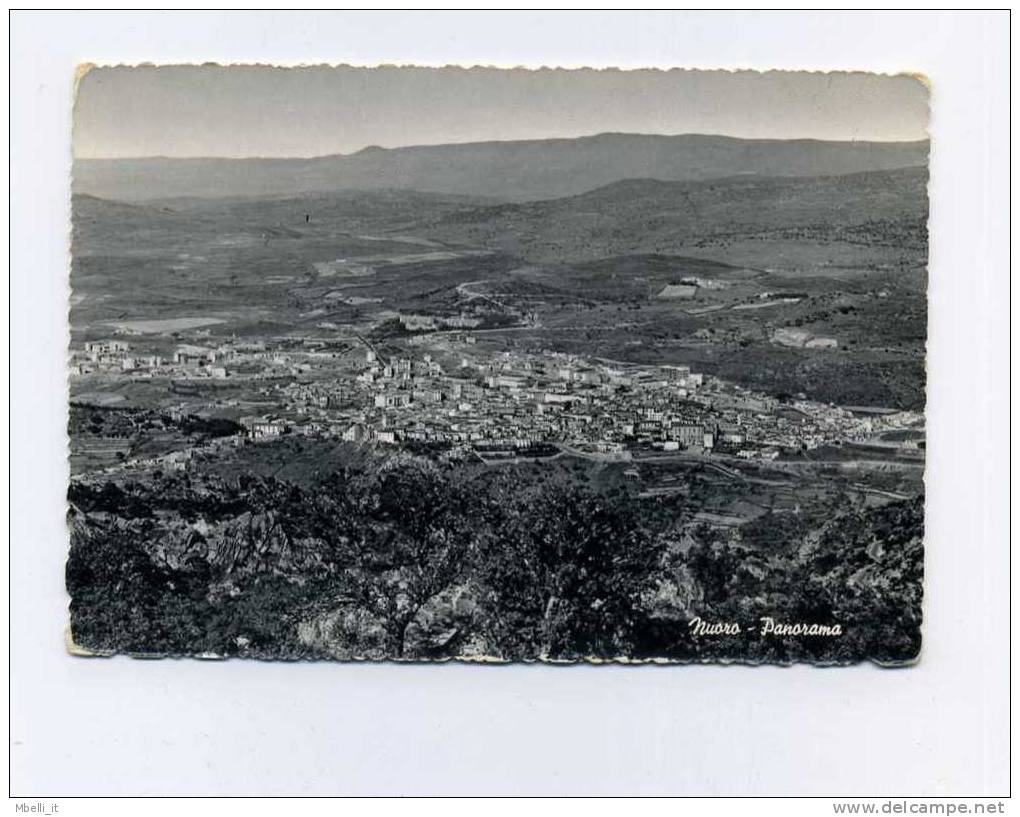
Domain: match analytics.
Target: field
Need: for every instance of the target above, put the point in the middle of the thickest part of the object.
(849, 278)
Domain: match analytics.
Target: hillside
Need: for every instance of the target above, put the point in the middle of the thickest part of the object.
(652, 216)
(763, 266)
(101, 225)
(510, 171)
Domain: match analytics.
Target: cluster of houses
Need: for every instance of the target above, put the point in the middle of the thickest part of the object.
(513, 400)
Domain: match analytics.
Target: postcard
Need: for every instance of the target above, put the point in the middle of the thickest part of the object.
(497, 365)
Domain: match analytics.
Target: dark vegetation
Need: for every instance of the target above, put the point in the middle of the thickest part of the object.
(410, 559)
(126, 422)
(101, 435)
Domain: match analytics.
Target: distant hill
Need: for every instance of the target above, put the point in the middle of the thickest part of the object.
(100, 224)
(651, 216)
(510, 171)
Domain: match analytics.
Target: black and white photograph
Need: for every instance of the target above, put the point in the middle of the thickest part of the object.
(487, 404)
(350, 379)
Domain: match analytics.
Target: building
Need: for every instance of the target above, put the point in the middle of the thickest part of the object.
(671, 291)
(556, 397)
(393, 399)
(504, 381)
(676, 373)
(688, 435)
(106, 347)
(259, 429)
(428, 396)
(192, 354)
(357, 433)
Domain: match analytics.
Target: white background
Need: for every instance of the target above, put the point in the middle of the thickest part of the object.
(122, 726)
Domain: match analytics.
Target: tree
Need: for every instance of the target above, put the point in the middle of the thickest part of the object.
(564, 575)
(411, 540)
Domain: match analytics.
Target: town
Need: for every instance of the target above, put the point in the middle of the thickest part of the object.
(439, 390)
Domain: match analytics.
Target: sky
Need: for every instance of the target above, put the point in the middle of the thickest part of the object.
(313, 111)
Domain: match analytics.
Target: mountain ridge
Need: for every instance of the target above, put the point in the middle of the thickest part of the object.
(522, 170)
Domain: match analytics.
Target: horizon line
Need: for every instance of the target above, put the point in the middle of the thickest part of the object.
(309, 157)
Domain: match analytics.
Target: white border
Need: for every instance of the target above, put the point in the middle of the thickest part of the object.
(184, 727)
